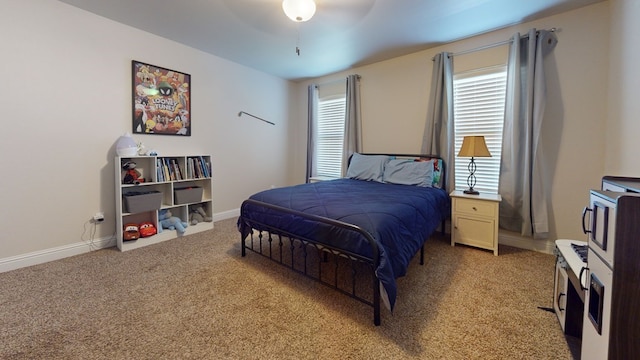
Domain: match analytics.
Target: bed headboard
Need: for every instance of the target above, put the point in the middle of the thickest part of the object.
(439, 166)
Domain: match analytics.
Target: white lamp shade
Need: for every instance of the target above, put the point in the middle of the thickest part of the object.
(299, 10)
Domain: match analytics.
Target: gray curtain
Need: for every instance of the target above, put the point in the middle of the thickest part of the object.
(439, 133)
(312, 119)
(353, 121)
(524, 198)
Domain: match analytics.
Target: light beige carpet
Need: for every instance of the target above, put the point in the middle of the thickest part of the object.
(197, 298)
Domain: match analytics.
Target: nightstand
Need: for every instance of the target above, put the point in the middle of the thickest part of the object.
(474, 220)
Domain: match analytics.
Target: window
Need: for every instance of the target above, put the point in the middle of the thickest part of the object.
(479, 99)
(330, 136)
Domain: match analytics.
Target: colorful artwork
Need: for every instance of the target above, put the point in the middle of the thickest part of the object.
(161, 100)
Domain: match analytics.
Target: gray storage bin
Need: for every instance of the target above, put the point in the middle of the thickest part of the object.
(187, 195)
(138, 201)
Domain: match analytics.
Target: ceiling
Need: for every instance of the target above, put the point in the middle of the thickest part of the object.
(342, 34)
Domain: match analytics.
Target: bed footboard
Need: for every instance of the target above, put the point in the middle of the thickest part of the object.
(330, 265)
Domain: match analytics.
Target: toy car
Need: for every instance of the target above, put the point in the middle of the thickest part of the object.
(147, 229)
(131, 232)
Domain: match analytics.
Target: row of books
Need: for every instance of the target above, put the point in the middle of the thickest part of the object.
(198, 168)
(169, 170)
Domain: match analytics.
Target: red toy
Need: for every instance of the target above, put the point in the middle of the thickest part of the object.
(147, 229)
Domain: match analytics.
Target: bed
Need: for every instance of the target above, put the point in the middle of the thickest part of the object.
(377, 218)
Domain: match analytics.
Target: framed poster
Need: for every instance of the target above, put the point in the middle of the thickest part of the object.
(161, 100)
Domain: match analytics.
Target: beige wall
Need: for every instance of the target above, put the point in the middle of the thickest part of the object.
(66, 77)
(66, 98)
(623, 120)
(395, 96)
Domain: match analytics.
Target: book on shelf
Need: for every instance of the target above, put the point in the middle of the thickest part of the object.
(205, 167)
(177, 174)
(197, 168)
(165, 169)
(159, 171)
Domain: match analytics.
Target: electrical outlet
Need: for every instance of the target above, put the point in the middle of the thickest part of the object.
(98, 217)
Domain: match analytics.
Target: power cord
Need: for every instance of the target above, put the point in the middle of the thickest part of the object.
(93, 228)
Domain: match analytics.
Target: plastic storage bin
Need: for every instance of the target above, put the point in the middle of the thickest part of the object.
(188, 195)
(139, 201)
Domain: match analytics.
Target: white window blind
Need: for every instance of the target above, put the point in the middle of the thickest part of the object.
(479, 98)
(330, 137)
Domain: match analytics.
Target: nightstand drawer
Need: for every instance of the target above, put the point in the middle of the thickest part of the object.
(475, 207)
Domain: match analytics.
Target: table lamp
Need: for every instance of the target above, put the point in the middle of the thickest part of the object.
(473, 146)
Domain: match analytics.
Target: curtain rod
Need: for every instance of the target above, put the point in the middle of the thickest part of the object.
(336, 81)
(259, 118)
(485, 47)
(331, 82)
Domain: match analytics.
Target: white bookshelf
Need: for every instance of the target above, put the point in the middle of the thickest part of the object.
(157, 178)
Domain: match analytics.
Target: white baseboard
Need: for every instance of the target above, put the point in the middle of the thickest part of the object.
(61, 252)
(544, 246)
(226, 215)
(57, 253)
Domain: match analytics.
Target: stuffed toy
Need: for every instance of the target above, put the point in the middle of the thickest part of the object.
(147, 229)
(131, 232)
(166, 220)
(198, 215)
(131, 176)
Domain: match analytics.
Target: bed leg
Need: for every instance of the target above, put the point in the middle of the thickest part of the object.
(422, 255)
(242, 244)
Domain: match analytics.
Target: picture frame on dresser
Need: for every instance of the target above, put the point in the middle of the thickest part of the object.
(161, 100)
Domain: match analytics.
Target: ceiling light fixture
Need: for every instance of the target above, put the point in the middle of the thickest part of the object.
(299, 10)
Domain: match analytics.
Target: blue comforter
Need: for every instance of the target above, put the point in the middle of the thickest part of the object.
(399, 217)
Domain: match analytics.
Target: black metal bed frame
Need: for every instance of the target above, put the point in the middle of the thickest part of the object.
(282, 251)
(267, 241)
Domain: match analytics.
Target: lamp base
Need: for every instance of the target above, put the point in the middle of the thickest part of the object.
(471, 180)
(470, 191)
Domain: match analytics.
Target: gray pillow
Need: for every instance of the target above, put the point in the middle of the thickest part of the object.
(409, 172)
(367, 167)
